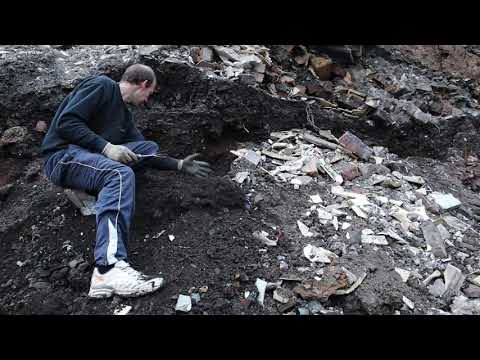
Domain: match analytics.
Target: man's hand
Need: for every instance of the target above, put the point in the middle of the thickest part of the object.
(194, 167)
(119, 153)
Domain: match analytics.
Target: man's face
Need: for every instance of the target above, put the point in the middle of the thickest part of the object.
(142, 93)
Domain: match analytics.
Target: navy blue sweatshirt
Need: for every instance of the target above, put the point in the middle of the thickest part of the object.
(93, 114)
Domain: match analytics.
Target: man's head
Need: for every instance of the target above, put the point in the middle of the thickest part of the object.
(137, 84)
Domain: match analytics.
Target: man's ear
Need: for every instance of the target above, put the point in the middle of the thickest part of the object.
(144, 84)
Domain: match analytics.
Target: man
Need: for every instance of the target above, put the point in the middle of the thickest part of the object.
(93, 145)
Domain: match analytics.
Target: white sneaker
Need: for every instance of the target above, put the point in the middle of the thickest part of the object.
(122, 280)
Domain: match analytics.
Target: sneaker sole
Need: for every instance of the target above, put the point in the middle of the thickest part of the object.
(106, 293)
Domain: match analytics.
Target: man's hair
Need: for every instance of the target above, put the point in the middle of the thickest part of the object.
(138, 73)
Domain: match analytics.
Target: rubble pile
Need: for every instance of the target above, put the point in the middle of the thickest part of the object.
(362, 199)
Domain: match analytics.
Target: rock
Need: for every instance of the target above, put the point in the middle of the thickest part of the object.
(184, 303)
(445, 201)
(351, 172)
(5, 190)
(418, 180)
(434, 239)
(301, 180)
(463, 306)
(310, 167)
(13, 135)
(74, 263)
(322, 67)
(282, 295)
(84, 266)
(355, 145)
(472, 291)
(404, 274)
(453, 280)
(369, 238)
(316, 199)
(262, 236)
(41, 285)
(59, 274)
(476, 280)
(41, 127)
(391, 184)
(437, 288)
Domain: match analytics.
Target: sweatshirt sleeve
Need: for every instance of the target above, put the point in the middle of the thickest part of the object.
(72, 124)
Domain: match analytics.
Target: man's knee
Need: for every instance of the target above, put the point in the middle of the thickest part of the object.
(151, 146)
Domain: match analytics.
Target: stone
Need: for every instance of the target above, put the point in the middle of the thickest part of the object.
(74, 263)
(13, 135)
(41, 285)
(404, 274)
(418, 180)
(434, 239)
(351, 172)
(5, 190)
(282, 295)
(476, 280)
(123, 310)
(310, 167)
(445, 201)
(392, 184)
(374, 239)
(252, 157)
(437, 288)
(301, 180)
(453, 280)
(472, 291)
(461, 305)
(41, 127)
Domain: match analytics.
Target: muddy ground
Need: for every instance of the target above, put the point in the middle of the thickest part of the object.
(46, 244)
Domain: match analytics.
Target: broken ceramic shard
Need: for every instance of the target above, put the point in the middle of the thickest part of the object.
(316, 199)
(241, 176)
(304, 229)
(355, 145)
(318, 254)
(184, 303)
(263, 237)
(445, 201)
(418, 180)
(261, 287)
(124, 310)
(330, 172)
(408, 302)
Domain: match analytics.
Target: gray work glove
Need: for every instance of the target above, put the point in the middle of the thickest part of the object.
(119, 153)
(194, 167)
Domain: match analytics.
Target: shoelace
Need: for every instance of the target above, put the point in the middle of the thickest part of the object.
(133, 272)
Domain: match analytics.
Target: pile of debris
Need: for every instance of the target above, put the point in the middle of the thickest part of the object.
(367, 199)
